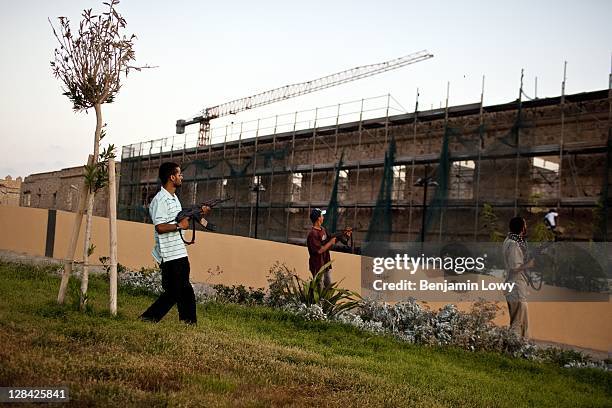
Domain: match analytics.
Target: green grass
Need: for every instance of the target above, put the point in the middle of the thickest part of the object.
(250, 356)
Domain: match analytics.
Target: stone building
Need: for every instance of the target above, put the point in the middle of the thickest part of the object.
(521, 157)
(9, 191)
(60, 190)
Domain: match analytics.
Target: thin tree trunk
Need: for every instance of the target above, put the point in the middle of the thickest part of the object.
(89, 219)
(112, 229)
(76, 229)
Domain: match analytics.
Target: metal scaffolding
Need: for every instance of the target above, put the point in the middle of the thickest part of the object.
(515, 157)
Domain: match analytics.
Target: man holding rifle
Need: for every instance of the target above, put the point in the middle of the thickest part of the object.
(518, 262)
(319, 243)
(169, 250)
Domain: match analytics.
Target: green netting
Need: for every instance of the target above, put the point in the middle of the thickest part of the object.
(138, 213)
(239, 170)
(331, 217)
(600, 213)
(380, 228)
(511, 138)
(434, 222)
(201, 164)
(472, 141)
(270, 155)
(433, 209)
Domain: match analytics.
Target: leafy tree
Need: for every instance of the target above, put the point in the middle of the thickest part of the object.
(91, 63)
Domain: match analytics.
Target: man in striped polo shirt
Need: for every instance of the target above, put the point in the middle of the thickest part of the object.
(170, 251)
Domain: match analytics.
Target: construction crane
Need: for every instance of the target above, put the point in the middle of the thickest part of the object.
(291, 91)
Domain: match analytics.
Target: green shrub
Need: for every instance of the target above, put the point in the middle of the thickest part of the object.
(278, 279)
(332, 299)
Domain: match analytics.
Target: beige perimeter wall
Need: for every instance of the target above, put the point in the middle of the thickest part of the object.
(247, 261)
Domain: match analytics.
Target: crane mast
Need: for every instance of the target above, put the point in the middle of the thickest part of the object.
(293, 90)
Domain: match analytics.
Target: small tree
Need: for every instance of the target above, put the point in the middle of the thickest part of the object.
(91, 64)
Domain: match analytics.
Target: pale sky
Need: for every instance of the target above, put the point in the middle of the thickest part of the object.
(210, 52)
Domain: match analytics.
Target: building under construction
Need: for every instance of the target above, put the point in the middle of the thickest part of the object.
(455, 173)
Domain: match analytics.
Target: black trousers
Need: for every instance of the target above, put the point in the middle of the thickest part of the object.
(177, 290)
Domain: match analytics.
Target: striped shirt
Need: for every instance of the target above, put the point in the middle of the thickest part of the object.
(163, 210)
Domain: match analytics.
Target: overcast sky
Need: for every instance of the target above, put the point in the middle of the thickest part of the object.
(210, 52)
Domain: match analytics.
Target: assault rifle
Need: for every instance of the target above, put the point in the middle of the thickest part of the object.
(345, 236)
(535, 277)
(195, 213)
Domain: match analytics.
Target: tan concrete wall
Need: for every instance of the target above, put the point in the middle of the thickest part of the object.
(247, 261)
(585, 324)
(134, 256)
(24, 230)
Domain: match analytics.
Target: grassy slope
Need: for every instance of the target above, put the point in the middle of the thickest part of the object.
(251, 356)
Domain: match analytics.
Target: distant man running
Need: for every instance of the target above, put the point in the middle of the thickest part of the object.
(169, 250)
(515, 254)
(550, 219)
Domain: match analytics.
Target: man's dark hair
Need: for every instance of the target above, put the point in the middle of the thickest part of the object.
(516, 225)
(166, 170)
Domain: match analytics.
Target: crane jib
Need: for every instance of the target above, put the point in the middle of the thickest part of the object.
(298, 89)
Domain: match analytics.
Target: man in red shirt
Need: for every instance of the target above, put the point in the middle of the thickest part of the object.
(319, 243)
